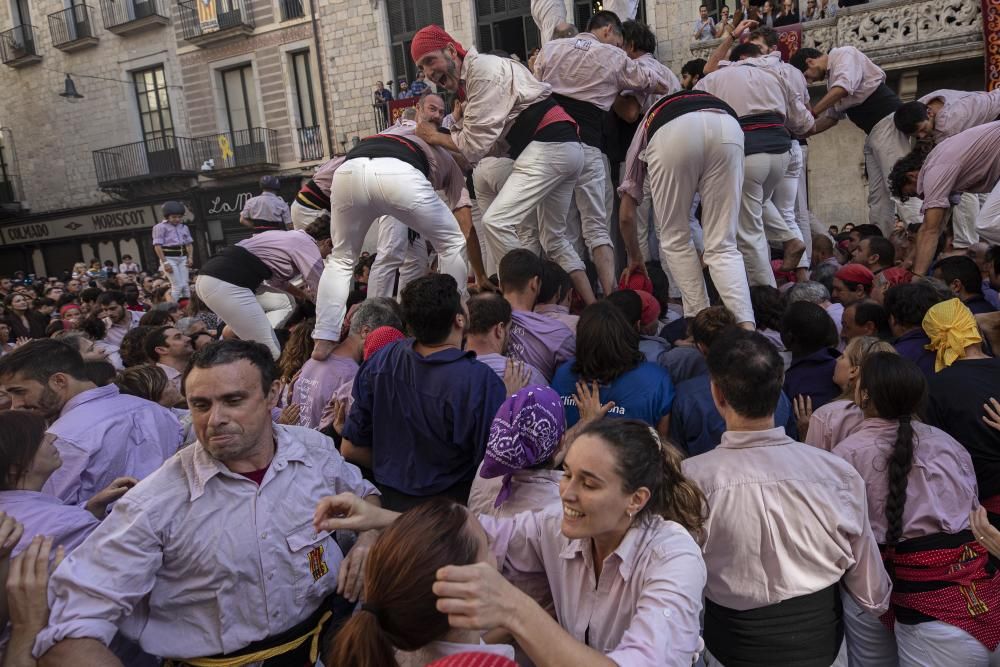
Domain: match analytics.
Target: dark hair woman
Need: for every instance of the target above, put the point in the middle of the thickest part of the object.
(920, 486)
(626, 521)
(607, 354)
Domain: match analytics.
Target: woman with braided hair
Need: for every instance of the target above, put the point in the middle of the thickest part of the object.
(920, 486)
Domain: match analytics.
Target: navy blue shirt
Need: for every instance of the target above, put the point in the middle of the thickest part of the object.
(912, 345)
(696, 425)
(645, 392)
(979, 305)
(426, 419)
(812, 376)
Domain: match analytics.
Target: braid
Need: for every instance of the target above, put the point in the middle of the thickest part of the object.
(899, 472)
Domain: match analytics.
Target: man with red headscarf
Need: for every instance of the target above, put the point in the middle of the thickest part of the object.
(507, 108)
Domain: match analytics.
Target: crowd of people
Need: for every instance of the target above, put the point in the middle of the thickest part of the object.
(750, 439)
(769, 14)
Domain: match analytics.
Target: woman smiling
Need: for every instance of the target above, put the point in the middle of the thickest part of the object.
(625, 572)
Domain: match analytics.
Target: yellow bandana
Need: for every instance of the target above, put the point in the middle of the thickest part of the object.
(951, 326)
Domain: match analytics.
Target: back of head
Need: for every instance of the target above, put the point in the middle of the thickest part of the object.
(145, 381)
(486, 311)
(823, 244)
(748, 371)
(823, 274)
(767, 306)
(806, 328)
(133, 347)
(907, 304)
(607, 344)
(517, 268)
(319, 229)
(768, 35)
(911, 162)
(629, 302)
(799, 58)
(710, 323)
(963, 269)
(810, 291)
(867, 230)
(858, 350)
(111, 296)
(866, 311)
(604, 19)
(430, 304)
(376, 312)
(400, 609)
(225, 352)
(745, 50)
(40, 359)
(21, 433)
(694, 67)
(639, 36)
(555, 282)
(155, 318)
(909, 116)
(90, 294)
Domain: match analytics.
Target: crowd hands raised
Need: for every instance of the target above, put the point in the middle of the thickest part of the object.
(765, 442)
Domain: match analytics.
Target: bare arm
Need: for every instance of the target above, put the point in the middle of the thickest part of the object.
(627, 224)
(79, 653)
(831, 98)
(823, 124)
(722, 50)
(472, 246)
(245, 222)
(927, 239)
(359, 456)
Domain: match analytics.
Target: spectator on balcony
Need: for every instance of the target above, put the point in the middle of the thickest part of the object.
(725, 21)
(380, 99)
(789, 14)
(812, 12)
(419, 85)
(746, 12)
(404, 90)
(267, 211)
(767, 16)
(704, 27)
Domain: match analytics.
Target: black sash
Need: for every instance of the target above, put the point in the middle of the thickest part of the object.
(879, 104)
(765, 133)
(670, 107)
(392, 146)
(589, 117)
(523, 130)
(800, 632)
(238, 266)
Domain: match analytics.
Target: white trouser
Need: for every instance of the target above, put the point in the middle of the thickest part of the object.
(780, 224)
(303, 215)
(963, 220)
(362, 190)
(869, 643)
(489, 261)
(884, 146)
(803, 216)
(988, 220)
(250, 316)
(700, 152)
(762, 173)
(178, 277)
(589, 198)
(396, 252)
(543, 177)
(488, 178)
(939, 644)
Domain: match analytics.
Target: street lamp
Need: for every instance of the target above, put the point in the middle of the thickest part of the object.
(70, 90)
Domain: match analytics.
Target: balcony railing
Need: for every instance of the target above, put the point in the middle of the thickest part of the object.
(18, 46)
(73, 28)
(381, 112)
(310, 143)
(151, 158)
(243, 150)
(291, 9)
(895, 32)
(221, 19)
(125, 16)
(10, 181)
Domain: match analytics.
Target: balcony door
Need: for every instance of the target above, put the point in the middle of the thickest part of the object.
(242, 117)
(155, 119)
(22, 39)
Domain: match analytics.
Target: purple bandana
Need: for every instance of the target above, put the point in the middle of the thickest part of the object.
(526, 431)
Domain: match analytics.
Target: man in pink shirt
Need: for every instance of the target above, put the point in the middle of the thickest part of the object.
(966, 162)
(171, 350)
(770, 599)
(506, 106)
(488, 335)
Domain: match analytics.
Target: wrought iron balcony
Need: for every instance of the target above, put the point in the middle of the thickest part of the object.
(18, 46)
(203, 24)
(73, 28)
(310, 143)
(241, 151)
(895, 33)
(11, 197)
(291, 9)
(149, 159)
(123, 17)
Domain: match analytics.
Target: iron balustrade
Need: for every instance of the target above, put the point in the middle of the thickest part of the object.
(291, 9)
(17, 44)
(253, 147)
(163, 156)
(121, 12)
(310, 143)
(71, 24)
(197, 20)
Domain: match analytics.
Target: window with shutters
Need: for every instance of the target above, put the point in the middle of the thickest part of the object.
(506, 25)
(406, 17)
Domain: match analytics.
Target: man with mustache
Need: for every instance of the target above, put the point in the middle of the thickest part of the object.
(214, 554)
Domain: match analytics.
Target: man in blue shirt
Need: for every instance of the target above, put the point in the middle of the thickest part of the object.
(907, 305)
(695, 423)
(422, 406)
(811, 336)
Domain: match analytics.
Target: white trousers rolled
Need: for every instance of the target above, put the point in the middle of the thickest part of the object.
(251, 316)
(780, 224)
(396, 253)
(762, 174)
(869, 643)
(963, 220)
(178, 278)
(362, 190)
(884, 146)
(988, 220)
(543, 177)
(700, 152)
(303, 215)
(489, 177)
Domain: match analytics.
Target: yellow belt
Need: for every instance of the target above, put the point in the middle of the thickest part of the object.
(262, 655)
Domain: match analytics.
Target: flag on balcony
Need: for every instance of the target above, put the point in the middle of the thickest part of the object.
(991, 42)
(396, 108)
(208, 16)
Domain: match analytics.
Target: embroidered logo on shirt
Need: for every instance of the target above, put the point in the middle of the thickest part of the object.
(316, 563)
(582, 44)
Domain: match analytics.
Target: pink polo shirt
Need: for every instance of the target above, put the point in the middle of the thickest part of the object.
(966, 162)
(853, 71)
(962, 110)
(833, 422)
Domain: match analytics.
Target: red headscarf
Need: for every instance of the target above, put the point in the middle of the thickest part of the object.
(855, 273)
(432, 38)
(379, 338)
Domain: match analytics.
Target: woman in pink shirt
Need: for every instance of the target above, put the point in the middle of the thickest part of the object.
(920, 487)
(625, 572)
(836, 420)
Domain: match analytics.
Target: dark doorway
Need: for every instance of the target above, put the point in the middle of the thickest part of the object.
(509, 36)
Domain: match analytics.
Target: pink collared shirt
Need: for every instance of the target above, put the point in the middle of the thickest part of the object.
(853, 71)
(962, 110)
(644, 609)
(173, 375)
(587, 70)
(445, 174)
(966, 162)
(831, 423)
(660, 71)
(44, 514)
(197, 560)
(785, 520)
(557, 312)
(289, 254)
(941, 487)
(497, 90)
